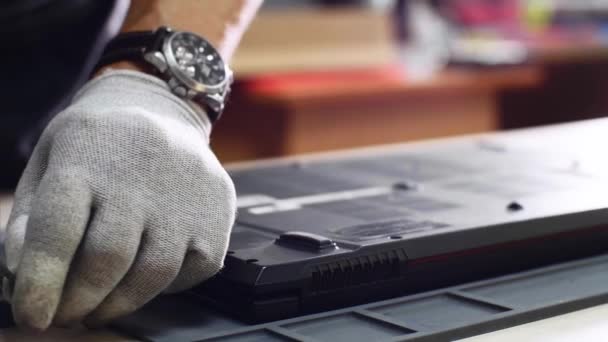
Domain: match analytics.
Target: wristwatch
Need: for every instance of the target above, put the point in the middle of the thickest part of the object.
(191, 66)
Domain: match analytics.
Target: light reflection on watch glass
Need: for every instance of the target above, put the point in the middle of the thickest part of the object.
(198, 59)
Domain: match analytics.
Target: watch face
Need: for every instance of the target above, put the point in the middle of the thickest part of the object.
(196, 59)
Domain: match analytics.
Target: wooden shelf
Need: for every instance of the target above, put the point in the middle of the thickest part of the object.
(277, 121)
(448, 81)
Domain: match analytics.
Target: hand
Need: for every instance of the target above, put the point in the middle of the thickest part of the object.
(122, 199)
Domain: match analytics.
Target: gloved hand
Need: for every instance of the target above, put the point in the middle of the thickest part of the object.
(122, 199)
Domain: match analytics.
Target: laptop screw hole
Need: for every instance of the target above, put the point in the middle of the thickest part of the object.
(405, 186)
(514, 206)
(251, 261)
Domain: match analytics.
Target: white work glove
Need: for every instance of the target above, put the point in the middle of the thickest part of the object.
(122, 200)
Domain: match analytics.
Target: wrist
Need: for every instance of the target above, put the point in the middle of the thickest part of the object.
(192, 68)
(123, 88)
(123, 65)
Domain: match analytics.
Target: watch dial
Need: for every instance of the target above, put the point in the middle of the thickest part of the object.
(197, 59)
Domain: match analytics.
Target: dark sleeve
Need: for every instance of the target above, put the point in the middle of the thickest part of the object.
(52, 47)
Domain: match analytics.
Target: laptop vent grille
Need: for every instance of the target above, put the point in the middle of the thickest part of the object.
(358, 270)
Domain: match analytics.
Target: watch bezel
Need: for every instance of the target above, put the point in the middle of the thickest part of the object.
(188, 81)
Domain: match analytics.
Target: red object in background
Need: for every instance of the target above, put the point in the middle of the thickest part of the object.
(485, 12)
(313, 81)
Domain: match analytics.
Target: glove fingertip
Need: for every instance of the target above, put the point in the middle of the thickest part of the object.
(115, 306)
(14, 238)
(30, 315)
(37, 291)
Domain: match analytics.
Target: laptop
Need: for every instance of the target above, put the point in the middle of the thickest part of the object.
(320, 233)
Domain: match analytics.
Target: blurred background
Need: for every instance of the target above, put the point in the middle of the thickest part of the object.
(321, 75)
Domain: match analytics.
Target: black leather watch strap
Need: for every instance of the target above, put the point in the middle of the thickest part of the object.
(131, 46)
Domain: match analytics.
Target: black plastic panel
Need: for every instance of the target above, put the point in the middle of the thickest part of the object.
(442, 315)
